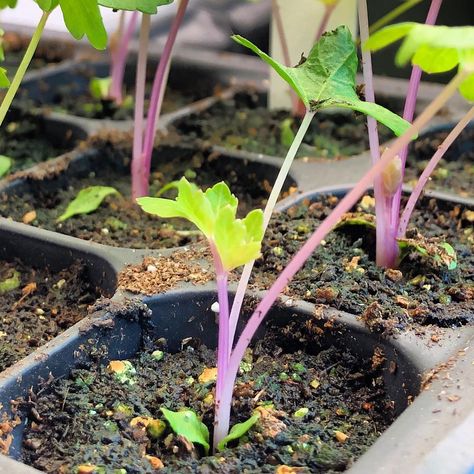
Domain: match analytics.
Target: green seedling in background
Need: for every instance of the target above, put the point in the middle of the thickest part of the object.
(99, 87)
(5, 164)
(11, 283)
(86, 201)
(186, 423)
(434, 49)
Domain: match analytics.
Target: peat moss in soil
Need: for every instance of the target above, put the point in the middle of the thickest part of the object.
(23, 138)
(44, 304)
(244, 123)
(455, 172)
(85, 419)
(118, 221)
(342, 271)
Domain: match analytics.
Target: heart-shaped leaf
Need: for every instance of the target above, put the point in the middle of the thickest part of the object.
(86, 201)
(326, 78)
(8, 4)
(144, 6)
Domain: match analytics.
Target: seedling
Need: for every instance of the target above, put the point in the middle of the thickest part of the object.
(5, 164)
(81, 19)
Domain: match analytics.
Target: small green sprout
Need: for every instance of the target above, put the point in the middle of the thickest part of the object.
(441, 254)
(186, 423)
(157, 355)
(11, 283)
(286, 132)
(238, 430)
(301, 412)
(213, 212)
(5, 163)
(87, 200)
(99, 87)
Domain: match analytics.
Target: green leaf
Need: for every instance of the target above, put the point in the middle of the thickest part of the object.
(99, 87)
(86, 201)
(8, 4)
(213, 212)
(11, 283)
(186, 423)
(356, 219)
(327, 77)
(4, 81)
(286, 132)
(434, 49)
(84, 18)
(47, 5)
(5, 164)
(441, 254)
(144, 6)
(238, 430)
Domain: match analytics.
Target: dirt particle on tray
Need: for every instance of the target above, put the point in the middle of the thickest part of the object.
(159, 274)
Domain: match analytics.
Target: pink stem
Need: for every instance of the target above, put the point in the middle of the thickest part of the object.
(141, 188)
(408, 114)
(407, 212)
(324, 21)
(222, 411)
(137, 170)
(325, 227)
(385, 255)
(281, 33)
(120, 60)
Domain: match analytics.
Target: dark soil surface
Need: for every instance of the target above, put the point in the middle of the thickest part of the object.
(86, 420)
(74, 100)
(245, 123)
(43, 304)
(455, 172)
(24, 139)
(119, 222)
(342, 272)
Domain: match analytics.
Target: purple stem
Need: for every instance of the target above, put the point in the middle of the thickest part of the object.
(429, 170)
(119, 60)
(325, 227)
(140, 182)
(140, 101)
(385, 254)
(324, 21)
(408, 114)
(222, 410)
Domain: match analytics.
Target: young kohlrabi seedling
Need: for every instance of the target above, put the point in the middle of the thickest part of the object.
(81, 19)
(325, 79)
(233, 242)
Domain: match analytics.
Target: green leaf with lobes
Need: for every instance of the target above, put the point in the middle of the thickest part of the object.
(82, 18)
(5, 164)
(238, 430)
(144, 6)
(186, 423)
(434, 49)
(326, 78)
(86, 201)
(213, 212)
